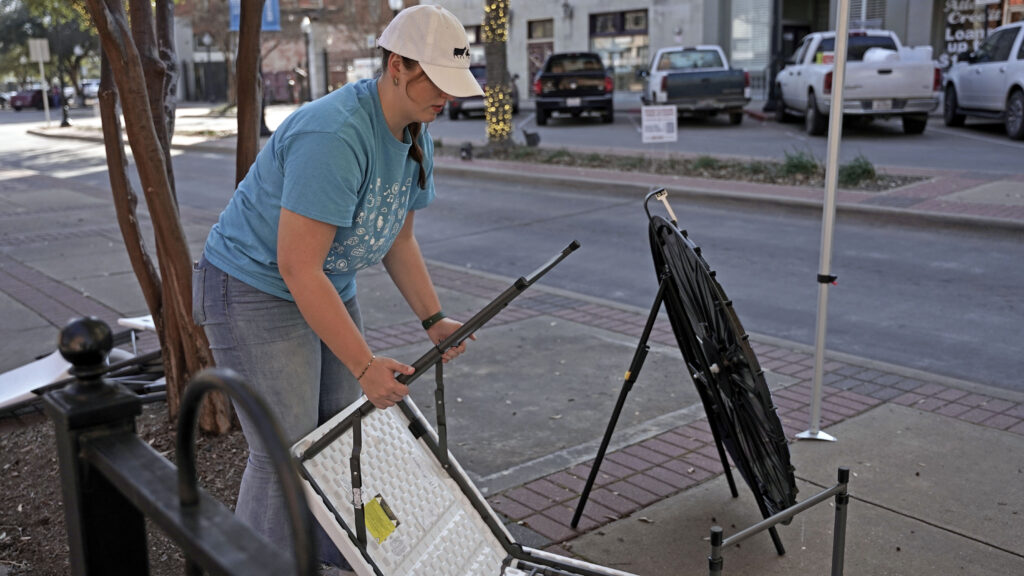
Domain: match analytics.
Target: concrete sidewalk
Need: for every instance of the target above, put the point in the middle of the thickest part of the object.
(937, 464)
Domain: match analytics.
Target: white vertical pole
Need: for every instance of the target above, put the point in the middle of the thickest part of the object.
(46, 91)
(835, 134)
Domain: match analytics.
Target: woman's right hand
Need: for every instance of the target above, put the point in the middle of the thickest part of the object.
(379, 383)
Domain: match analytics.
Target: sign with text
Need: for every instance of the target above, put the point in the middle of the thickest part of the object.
(271, 21)
(38, 50)
(658, 124)
(966, 22)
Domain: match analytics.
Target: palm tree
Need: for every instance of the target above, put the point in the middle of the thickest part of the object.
(498, 95)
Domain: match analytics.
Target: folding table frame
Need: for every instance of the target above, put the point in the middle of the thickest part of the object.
(393, 499)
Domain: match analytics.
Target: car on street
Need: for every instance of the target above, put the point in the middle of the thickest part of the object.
(990, 82)
(574, 83)
(475, 104)
(90, 88)
(884, 79)
(32, 98)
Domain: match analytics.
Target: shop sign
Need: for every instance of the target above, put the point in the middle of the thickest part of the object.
(965, 22)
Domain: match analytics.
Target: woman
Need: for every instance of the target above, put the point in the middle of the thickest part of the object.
(334, 190)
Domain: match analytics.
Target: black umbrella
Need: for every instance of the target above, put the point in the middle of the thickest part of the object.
(723, 367)
(721, 364)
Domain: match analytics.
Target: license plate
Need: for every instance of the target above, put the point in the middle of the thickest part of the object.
(572, 102)
(881, 105)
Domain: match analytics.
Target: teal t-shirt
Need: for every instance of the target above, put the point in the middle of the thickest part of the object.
(332, 160)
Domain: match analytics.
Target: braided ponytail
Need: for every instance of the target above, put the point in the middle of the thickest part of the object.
(415, 151)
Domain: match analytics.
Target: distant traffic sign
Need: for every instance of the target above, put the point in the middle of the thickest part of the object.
(271, 21)
(38, 50)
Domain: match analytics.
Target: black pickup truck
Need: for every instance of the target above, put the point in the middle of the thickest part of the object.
(573, 83)
(697, 80)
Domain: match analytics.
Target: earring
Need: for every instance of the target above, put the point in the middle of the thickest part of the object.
(395, 80)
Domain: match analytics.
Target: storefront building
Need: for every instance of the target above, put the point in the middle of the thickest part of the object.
(627, 32)
(961, 25)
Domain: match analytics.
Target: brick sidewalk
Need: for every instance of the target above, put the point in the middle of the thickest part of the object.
(638, 475)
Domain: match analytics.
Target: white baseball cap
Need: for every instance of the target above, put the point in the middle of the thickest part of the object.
(436, 39)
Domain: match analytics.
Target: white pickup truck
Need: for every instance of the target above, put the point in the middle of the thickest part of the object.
(883, 79)
(990, 83)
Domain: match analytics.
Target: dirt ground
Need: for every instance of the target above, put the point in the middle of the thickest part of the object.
(33, 537)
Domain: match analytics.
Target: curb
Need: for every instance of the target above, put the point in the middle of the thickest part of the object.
(707, 194)
(584, 177)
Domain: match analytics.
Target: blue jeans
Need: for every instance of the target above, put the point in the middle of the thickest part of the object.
(265, 339)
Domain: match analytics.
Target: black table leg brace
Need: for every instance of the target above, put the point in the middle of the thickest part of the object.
(442, 420)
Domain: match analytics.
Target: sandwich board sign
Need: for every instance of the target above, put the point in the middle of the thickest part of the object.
(658, 124)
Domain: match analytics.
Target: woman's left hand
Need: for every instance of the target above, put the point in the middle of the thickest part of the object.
(443, 329)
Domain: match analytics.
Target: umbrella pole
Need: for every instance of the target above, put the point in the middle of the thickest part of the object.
(627, 384)
(825, 277)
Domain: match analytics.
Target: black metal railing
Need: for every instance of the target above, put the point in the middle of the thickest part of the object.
(842, 499)
(112, 481)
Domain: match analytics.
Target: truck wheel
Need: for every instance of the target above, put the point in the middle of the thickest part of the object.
(949, 104)
(609, 116)
(1015, 115)
(542, 117)
(914, 123)
(814, 121)
(735, 118)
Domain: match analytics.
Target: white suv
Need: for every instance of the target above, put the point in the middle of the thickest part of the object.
(90, 88)
(990, 82)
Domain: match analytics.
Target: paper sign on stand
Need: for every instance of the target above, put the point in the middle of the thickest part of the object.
(659, 124)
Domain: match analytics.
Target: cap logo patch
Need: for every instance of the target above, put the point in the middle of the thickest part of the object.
(461, 52)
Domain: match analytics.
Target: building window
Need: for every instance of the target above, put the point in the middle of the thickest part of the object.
(605, 24)
(540, 44)
(541, 29)
(622, 41)
(867, 14)
(635, 22)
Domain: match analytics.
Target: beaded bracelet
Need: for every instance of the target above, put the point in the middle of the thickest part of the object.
(433, 320)
(367, 367)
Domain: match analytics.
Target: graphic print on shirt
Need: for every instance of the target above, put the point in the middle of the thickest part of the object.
(373, 230)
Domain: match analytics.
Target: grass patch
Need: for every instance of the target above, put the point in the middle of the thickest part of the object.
(800, 164)
(799, 168)
(707, 163)
(860, 170)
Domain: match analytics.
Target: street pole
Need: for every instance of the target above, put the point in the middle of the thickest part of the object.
(206, 40)
(307, 30)
(264, 129)
(775, 46)
(327, 75)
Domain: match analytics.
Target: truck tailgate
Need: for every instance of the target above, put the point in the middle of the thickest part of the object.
(898, 80)
(705, 85)
(580, 84)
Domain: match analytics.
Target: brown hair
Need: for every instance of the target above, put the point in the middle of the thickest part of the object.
(414, 127)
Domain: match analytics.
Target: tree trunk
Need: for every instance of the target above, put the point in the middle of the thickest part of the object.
(498, 95)
(168, 55)
(249, 89)
(125, 198)
(184, 346)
